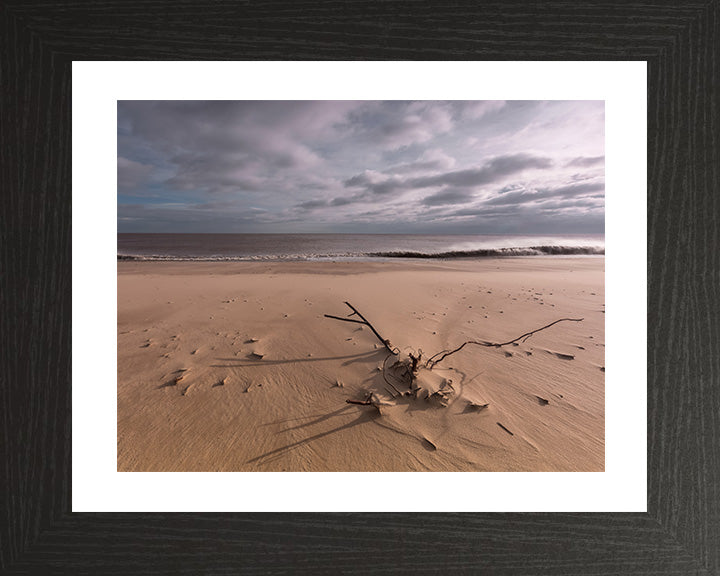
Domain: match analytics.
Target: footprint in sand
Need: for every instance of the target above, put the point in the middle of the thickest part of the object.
(177, 377)
(561, 355)
(473, 407)
(429, 446)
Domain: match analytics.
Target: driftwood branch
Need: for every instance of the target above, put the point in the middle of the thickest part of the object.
(360, 402)
(445, 353)
(405, 369)
(369, 401)
(385, 342)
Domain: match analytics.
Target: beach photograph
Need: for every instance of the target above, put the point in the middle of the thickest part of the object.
(361, 286)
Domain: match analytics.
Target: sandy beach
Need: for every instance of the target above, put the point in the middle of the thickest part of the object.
(234, 366)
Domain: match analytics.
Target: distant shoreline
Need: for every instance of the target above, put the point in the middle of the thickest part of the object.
(349, 247)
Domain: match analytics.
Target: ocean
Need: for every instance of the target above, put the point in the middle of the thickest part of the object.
(345, 247)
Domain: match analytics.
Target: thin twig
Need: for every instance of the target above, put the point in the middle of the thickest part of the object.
(344, 319)
(444, 353)
(384, 374)
(539, 329)
(506, 430)
(384, 341)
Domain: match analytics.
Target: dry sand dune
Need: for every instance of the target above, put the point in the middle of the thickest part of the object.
(234, 367)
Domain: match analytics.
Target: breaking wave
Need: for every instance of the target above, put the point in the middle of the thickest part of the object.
(549, 250)
(499, 252)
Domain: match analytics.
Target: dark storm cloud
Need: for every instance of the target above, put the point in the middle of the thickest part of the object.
(376, 183)
(523, 196)
(310, 204)
(510, 188)
(577, 189)
(321, 203)
(231, 146)
(364, 166)
(493, 170)
(343, 201)
(448, 197)
(387, 186)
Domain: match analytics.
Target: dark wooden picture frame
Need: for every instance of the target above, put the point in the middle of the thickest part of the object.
(680, 533)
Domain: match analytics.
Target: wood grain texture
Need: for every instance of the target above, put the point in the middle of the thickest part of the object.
(681, 532)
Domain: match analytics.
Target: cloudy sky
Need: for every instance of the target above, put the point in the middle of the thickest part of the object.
(368, 166)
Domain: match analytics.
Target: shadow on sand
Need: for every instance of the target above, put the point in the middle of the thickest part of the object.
(363, 417)
(251, 362)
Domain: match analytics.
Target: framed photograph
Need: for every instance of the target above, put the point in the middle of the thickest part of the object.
(241, 221)
(441, 221)
(171, 477)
